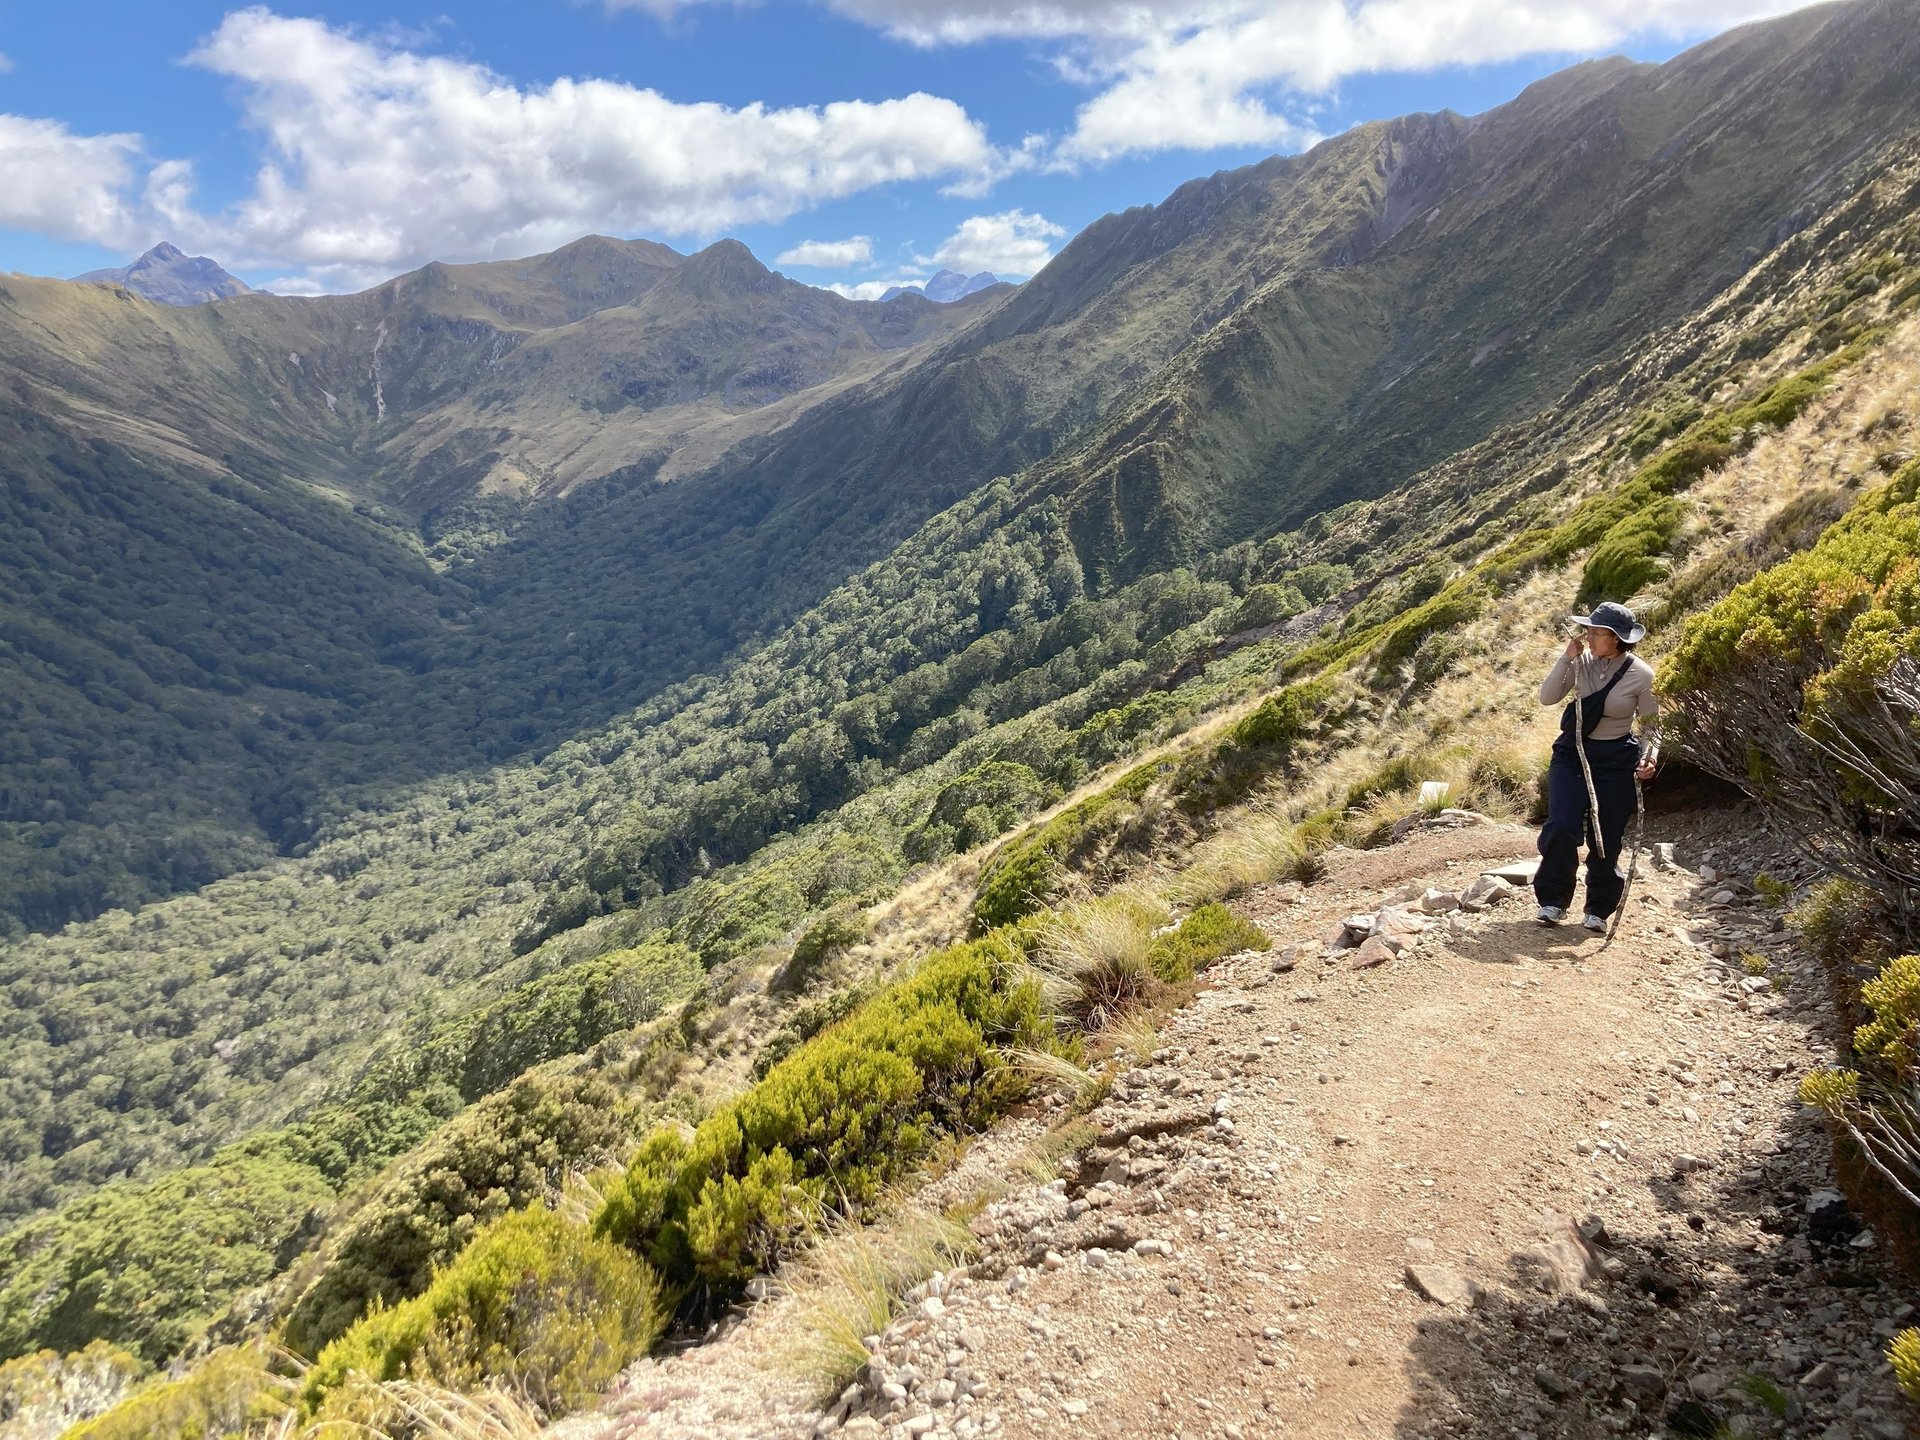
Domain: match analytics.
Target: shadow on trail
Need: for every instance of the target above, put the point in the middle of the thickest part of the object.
(1733, 1302)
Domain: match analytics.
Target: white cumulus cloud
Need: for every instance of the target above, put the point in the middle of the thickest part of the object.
(378, 157)
(1196, 74)
(6, 63)
(71, 187)
(382, 156)
(829, 254)
(869, 289)
(1012, 243)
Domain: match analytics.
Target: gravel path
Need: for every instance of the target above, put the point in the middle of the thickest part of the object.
(1502, 1184)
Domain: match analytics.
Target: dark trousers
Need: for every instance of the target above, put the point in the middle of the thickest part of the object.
(1569, 825)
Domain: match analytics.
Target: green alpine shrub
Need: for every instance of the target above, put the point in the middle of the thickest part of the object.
(1202, 938)
(502, 1154)
(830, 1124)
(533, 1303)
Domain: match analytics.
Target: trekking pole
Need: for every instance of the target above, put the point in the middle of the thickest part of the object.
(1633, 858)
(1586, 770)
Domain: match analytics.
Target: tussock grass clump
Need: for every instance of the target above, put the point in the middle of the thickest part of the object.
(1132, 1039)
(1095, 962)
(1262, 847)
(413, 1410)
(1051, 1068)
(1044, 1159)
(848, 1285)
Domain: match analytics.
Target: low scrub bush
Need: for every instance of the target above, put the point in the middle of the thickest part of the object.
(533, 1302)
(1025, 873)
(842, 926)
(1903, 1354)
(1267, 605)
(1889, 1043)
(46, 1393)
(830, 1124)
(1803, 687)
(1203, 937)
(226, 1394)
(504, 1153)
(805, 1021)
(1632, 555)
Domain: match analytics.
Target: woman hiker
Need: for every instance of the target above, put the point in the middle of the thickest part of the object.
(1615, 685)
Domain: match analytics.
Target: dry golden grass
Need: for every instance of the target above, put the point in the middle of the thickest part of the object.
(1092, 960)
(412, 1410)
(848, 1285)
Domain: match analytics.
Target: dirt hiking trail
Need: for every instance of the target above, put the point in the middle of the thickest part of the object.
(1501, 1184)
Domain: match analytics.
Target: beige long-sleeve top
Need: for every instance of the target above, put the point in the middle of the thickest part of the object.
(1633, 697)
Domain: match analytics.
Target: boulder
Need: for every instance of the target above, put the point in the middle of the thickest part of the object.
(1374, 950)
(1443, 1286)
(1487, 890)
(1392, 920)
(1562, 1262)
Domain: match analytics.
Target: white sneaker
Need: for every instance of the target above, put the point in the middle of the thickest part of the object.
(1596, 923)
(1551, 914)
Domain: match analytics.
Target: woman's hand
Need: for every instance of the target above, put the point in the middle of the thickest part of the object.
(1645, 772)
(1576, 644)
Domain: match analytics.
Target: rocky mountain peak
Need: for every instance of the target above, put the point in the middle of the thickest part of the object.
(946, 286)
(169, 276)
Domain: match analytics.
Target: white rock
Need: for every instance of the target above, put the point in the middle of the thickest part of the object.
(1443, 1286)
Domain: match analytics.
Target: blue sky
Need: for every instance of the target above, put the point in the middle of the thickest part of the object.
(864, 141)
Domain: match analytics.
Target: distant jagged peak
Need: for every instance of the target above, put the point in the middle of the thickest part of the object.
(946, 286)
(169, 276)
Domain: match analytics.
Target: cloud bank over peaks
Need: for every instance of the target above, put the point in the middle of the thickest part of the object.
(1012, 244)
(379, 158)
(1201, 74)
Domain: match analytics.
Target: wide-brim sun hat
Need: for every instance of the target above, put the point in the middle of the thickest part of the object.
(1617, 618)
